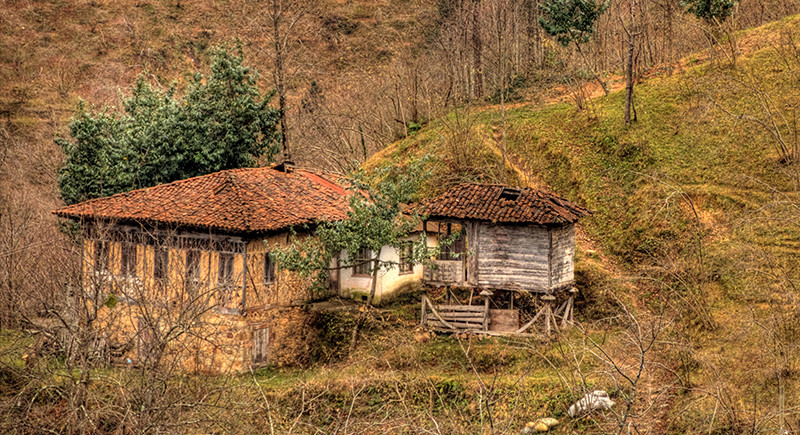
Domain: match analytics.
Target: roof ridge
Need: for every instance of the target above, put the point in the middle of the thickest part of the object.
(242, 200)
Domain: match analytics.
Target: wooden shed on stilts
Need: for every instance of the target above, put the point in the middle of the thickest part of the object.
(506, 239)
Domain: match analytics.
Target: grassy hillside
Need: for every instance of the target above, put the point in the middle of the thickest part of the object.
(687, 268)
(695, 214)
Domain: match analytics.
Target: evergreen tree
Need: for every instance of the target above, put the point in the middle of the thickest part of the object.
(571, 20)
(710, 10)
(223, 122)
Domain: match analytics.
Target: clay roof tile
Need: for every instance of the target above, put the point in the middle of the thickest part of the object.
(498, 203)
(250, 200)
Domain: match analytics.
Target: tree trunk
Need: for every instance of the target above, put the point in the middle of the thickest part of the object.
(362, 317)
(591, 70)
(280, 89)
(503, 73)
(477, 48)
(629, 68)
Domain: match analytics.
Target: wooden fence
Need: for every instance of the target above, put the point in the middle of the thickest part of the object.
(455, 317)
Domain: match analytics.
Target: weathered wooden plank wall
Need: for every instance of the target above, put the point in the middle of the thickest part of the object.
(448, 272)
(562, 255)
(514, 256)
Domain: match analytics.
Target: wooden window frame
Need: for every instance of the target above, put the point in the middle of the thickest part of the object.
(160, 264)
(363, 263)
(192, 266)
(405, 251)
(129, 259)
(102, 257)
(270, 270)
(225, 272)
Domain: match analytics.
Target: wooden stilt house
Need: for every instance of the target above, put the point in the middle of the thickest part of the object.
(504, 238)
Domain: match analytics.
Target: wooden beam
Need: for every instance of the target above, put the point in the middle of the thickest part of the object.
(528, 325)
(436, 314)
(424, 314)
(486, 314)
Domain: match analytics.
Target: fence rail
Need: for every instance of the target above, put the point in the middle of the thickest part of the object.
(455, 317)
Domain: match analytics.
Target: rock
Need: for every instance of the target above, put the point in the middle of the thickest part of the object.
(593, 401)
(540, 425)
(422, 336)
(549, 421)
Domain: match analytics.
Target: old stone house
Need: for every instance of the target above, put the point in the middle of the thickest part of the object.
(195, 252)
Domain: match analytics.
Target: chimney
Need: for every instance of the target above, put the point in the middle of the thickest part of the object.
(286, 166)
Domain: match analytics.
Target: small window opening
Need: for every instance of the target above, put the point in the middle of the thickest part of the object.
(225, 275)
(160, 263)
(510, 194)
(101, 257)
(128, 254)
(363, 263)
(454, 250)
(269, 269)
(192, 269)
(406, 252)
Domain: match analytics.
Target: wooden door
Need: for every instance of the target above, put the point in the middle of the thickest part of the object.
(260, 347)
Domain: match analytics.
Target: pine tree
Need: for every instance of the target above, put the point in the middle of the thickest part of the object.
(220, 123)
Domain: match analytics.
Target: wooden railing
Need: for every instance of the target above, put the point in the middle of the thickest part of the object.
(455, 317)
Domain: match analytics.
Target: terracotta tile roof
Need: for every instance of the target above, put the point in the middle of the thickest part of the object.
(498, 203)
(250, 200)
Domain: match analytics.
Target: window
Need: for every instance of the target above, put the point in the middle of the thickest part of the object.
(269, 269)
(161, 263)
(260, 346)
(101, 256)
(406, 251)
(225, 271)
(363, 265)
(128, 258)
(192, 265)
(454, 250)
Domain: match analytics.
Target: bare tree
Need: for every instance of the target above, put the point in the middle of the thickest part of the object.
(632, 33)
(283, 17)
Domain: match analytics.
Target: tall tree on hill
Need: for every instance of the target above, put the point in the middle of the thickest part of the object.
(222, 122)
(715, 13)
(632, 32)
(710, 10)
(477, 49)
(283, 17)
(573, 21)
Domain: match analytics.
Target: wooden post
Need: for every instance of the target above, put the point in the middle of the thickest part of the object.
(565, 320)
(569, 317)
(423, 316)
(548, 313)
(486, 295)
(243, 303)
(486, 315)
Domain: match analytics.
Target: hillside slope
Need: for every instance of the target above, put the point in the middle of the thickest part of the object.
(696, 214)
(696, 230)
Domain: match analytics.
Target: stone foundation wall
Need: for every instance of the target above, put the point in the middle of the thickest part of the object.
(210, 342)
